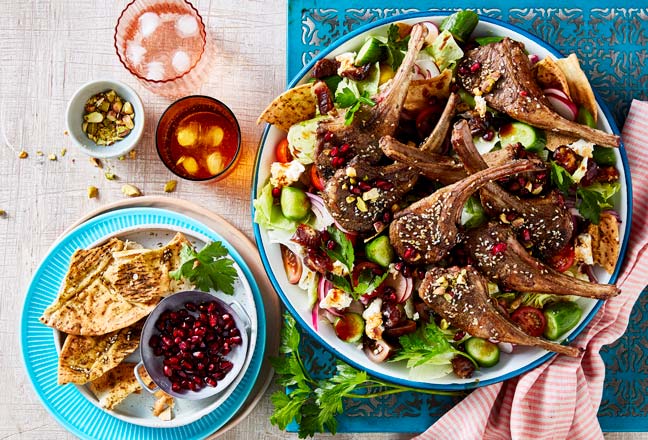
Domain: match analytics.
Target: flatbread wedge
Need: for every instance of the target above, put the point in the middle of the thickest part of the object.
(292, 106)
(549, 75)
(86, 358)
(605, 241)
(579, 86)
(116, 385)
(98, 307)
(420, 91)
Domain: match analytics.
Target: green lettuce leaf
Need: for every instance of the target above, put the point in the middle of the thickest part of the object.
(268, 215)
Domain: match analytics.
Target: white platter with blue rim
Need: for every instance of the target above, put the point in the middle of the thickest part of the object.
(74, 406)
(296, 300)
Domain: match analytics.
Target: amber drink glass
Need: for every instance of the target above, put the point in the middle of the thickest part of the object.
(198, 138)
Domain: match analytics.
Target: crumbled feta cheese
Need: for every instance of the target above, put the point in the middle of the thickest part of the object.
(583, 249)
(340, 269)
(580, 171)
(336, 299)
(347, 62)
(409, 309)
(372, 194)
(480, 105)
(284, 174)
(373, 320)
(582, 148)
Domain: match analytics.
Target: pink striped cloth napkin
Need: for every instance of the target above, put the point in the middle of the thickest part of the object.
(560, 399)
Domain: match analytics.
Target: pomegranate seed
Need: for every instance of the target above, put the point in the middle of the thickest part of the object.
(210, 381)
(235, 332)
(199, 355)
(364, 186)
(235, 340)
(409, 253)
(213, 320)
(399, 266)
(344, 148)
(167, 341)
(175, 386)
(463, 70)
(335, 151)
(498, 248)
(225, 366)
(526, 234)
(336, 162)
(193, 386)
(197, 380)
(167, 371)
(211, 307)
(511, 216)
(330, 245)
(523, 93)
(276, 192)
(407, 272)
(356, 190)
(184, 384)
(489, 135)
(459, 335)
(154, 341)
(186, 365)
(191, 307)
(328, 136)
(200, 366)
(183, 346)
(225, 349)
(174, 360)
(387, 217)
(211, 367)
(475, 67)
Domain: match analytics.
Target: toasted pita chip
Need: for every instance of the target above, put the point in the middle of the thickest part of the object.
(86, 358)
(605, 241)
(292, 106)
(109, 302)
(579, 87)
(549, 75)
(420, 91)
(162, 408)
(555, 140)
(117, 384)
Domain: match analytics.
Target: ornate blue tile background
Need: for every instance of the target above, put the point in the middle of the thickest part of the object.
(611, 41)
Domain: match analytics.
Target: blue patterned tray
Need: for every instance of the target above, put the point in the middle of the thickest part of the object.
(611, 42)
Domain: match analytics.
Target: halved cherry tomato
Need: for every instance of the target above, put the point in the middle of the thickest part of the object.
(352, 236)
(531, 320)
(292, 264)
(564, 259)
(282, 151)
(361, 266)
(315, 178)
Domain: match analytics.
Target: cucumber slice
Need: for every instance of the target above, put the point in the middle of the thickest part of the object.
(484, 352)
(585, 117)
(467, 98)
(532, 139)
(604, 156)
(295, 204)
(370, 52)
(349, 327)
(561, 317)
(460, 24)
(380, 251)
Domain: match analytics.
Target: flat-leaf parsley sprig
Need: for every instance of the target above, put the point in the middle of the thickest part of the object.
(208, 269)
(314, 403)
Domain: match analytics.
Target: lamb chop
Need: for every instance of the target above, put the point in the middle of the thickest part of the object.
(460, 296)
(544, 221)
(499, 256)
(501, 73)
(360, 138)
(427, 230)
(360, 196)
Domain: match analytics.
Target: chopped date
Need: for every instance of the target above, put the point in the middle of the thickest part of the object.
(356, 73)
(462, 367)
(307, 236)
(392, 314)
(324, 98)
(606, 174)
(566, 158)
(324, 68)
(317, 261)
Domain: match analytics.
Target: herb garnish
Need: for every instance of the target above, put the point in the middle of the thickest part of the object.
(352, 101)
(207, 269)
(314, 403)
(560, 177)
(427, 345)
(595, 198)
(395, 47)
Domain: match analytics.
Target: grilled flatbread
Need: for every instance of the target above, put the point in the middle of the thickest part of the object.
(108, 297)
(420, 91)
(605, 241)
(117, 384)
(292, 106)
(86, 358)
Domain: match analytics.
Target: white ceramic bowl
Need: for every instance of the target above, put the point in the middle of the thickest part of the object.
(75, 111)
(296, 300)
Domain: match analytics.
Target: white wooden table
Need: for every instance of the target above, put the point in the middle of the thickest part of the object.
(47, 50)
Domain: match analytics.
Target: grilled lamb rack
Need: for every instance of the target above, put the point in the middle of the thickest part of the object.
(427, 230)
(369, 124)
(500, 257)
(460, 296)
(501, 73)
(545, 221)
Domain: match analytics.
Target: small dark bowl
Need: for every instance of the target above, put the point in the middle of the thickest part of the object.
(153, 364)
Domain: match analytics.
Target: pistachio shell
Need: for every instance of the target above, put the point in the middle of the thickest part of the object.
(94, 117)
(127, 108)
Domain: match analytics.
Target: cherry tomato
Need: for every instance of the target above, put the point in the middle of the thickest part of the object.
(292, 265)
(352, 236)
(564, 259)
(531, 320)
(315, 178)
(282, 152)
(361, 266)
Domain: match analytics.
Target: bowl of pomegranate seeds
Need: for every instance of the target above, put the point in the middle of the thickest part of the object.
(193, 345)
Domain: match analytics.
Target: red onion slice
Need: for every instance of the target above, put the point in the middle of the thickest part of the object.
(433, 30)
(563, 107)
(402, 286)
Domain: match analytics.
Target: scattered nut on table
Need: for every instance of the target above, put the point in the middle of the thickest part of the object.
(170, 186)
(93, 192)
(130, 190)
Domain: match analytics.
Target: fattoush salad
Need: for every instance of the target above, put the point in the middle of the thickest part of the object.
(441, 198)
